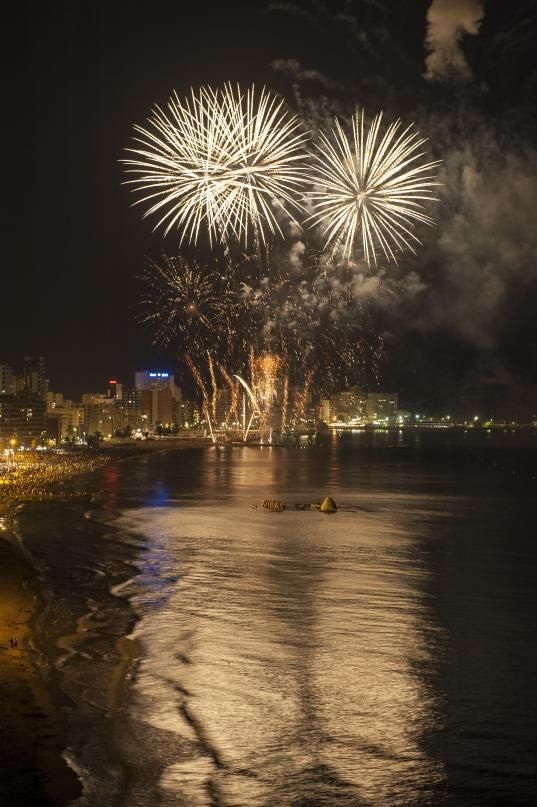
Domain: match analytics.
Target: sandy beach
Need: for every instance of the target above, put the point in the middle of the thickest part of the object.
(34, 725)
(33, 735)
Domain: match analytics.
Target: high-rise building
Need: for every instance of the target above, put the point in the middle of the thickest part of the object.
(115, 389)
(22, 418)
(34, 376)
(157, 406)
(64, 419)
(98, 411)
(127, 410)
(186, 413)
(349, 405)
(7, 380)
(324, 409)
(160, 397)
(151, 379)
(382, 406)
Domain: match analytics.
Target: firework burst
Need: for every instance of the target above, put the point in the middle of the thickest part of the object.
(371, 187)
(223, 161)
(316, 320)
(189, 305)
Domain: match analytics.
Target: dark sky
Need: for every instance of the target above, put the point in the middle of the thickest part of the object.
(81, 73)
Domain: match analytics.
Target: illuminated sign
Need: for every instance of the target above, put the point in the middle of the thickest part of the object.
(159, 375)
(112, 381)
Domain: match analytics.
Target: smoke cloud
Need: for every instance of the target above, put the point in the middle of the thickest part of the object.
(487, 241)
(448, 21)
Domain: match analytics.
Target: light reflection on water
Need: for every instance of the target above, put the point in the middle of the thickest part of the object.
(384, 655)
(291, 650)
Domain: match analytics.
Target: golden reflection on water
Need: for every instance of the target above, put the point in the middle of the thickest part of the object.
(305, 646)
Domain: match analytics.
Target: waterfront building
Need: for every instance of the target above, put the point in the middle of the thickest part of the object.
(187, 414)
(324, 409)
(99, 418)
(22, 419)
(64, 418)
(115, 389)
(34, 376)
(160, 397)
(157, 406)
(382, 406)
(98, 413)
(127, 411)
(348, 406)
(94, 398)
(7, 380)
(153, 379)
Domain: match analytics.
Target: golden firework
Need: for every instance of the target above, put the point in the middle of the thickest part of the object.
(226, 161)
(371, 187)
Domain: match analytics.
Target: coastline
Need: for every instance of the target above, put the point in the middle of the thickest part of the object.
(15, 496)
(34, 727)
(35, 720)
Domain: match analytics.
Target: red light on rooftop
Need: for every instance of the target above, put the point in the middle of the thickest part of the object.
(112, 381)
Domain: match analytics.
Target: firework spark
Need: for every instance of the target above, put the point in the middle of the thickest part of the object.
(306, 328)
(222, 160)
(189, 305)
(371, 186)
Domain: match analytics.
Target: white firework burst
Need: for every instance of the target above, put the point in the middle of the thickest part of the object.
(222, 160)
(371, 187)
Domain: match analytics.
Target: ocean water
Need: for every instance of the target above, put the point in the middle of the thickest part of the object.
(382, 655)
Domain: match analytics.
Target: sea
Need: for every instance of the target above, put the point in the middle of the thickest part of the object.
(211, 653)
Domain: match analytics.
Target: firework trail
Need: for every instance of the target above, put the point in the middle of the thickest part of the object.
(222, 161)
(371, 187)
(214, 386)
(285, 402)
(196, 375)
(313, 319)
(234, 393)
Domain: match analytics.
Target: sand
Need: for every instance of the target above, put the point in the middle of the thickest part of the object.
(33, 727)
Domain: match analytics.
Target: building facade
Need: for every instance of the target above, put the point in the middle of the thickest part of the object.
(7, 380)
(22, 419)
(348, 406)
(382, 406)
(34, 376)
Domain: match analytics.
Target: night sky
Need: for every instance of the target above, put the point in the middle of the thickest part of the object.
(458, 320)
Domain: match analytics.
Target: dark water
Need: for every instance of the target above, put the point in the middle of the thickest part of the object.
(383, 655)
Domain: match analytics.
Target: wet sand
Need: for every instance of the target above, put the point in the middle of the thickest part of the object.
(34, 726)
(33, 735)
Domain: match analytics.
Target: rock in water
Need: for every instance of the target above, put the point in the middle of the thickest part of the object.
(274, 505)
(328, 505)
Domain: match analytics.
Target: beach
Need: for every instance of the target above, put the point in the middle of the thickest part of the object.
(33, 738)
(34, 717)
(189, 648)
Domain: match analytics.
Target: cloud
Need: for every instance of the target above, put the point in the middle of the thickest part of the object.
(448, 21)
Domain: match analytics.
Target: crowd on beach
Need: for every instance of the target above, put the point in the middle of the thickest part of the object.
(33, 476)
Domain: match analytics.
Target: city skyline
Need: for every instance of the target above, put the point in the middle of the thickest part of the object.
(442, 335)
(268, 404)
